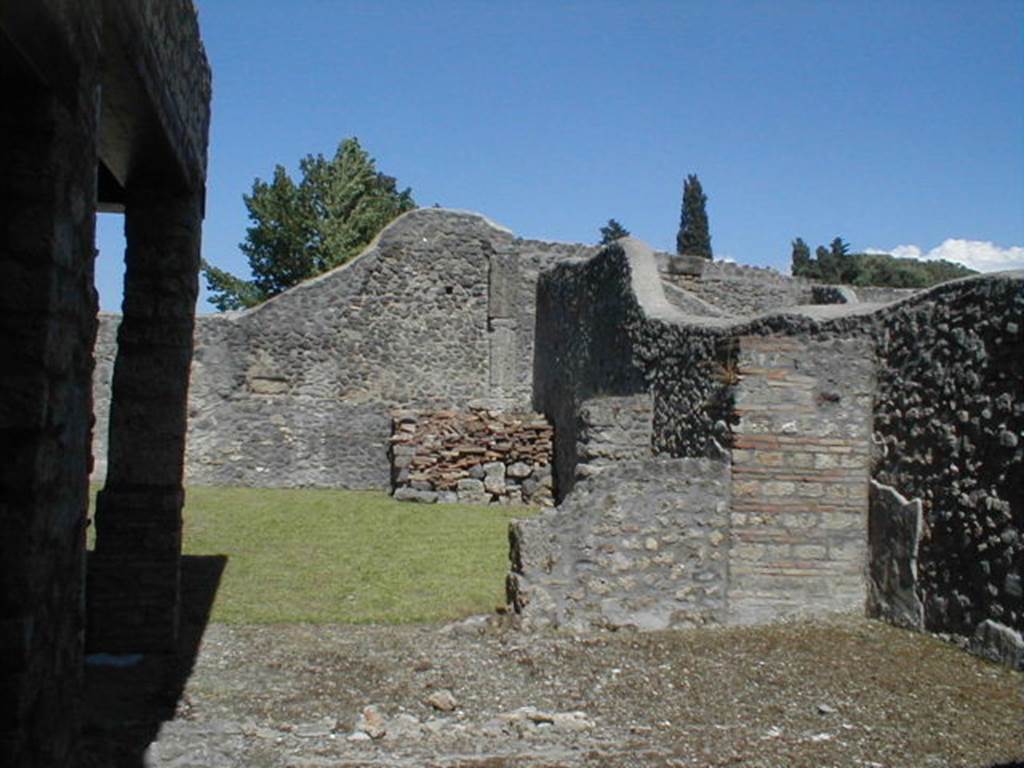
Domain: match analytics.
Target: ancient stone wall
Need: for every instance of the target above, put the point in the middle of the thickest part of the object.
(570, 367)
(47, 328)
(105, 353)
(949, 434)
(791, 399)
(81, 105)
(881, 295)
(442, 312)
(475, 457)
(437, 313)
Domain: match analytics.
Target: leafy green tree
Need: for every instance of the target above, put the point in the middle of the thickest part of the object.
(612, 231)
(694, 236)
(301, 230)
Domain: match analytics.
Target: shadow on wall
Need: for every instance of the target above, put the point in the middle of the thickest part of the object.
(128, 697)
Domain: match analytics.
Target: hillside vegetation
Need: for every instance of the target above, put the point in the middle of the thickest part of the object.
(837, 265)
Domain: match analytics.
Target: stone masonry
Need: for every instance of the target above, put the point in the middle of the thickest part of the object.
(436, 314)
(799, 475)
(805, 393)
(806, 407)
(475, 457)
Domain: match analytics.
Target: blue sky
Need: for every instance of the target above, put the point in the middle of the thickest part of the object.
(896, 125)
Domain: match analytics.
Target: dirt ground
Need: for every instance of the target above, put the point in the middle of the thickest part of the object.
(844, 691)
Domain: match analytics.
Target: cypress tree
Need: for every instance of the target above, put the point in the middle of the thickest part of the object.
(801, 264)
(694, 237)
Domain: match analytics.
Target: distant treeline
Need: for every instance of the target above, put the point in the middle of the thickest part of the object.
(836, 264)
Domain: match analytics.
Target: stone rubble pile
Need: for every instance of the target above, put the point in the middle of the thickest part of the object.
(477, 456)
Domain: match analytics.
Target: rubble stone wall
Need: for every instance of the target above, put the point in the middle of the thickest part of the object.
(437, 313)
(949, 433)
(474, 457)
(922, 394)
(640, 543)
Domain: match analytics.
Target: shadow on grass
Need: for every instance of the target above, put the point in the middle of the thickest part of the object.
(128, 698)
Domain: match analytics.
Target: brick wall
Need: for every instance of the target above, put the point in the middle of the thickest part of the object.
(800, 476)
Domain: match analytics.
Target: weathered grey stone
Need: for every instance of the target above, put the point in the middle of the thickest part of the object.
(406, 493)
(297, 390)
(519, 470)
(442, 700)
(556, 555)
(894, 536)
(999, 642)
(912, 386)
(494, 477)
(471, 486)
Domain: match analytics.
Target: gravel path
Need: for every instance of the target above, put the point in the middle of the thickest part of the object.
(840, 692)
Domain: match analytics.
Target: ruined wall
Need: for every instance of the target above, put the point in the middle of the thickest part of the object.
(735, 288)
(104, 354)
(639, 543)
(792, 400)
(638, 538)
(949, 433)
(437, 313)
(570, 366)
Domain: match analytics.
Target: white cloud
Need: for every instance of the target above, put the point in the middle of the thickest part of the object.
(981, 255)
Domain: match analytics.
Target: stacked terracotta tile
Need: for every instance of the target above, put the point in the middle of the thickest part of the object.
(475, 456)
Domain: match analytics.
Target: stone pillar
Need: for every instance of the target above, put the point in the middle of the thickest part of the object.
(47, 331)
(134, 577)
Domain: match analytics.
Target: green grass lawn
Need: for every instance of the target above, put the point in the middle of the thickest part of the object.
(299, 555)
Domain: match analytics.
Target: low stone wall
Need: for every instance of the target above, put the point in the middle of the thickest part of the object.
(834, 294)
(475, 457)
(641, 543)
(881, 295)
